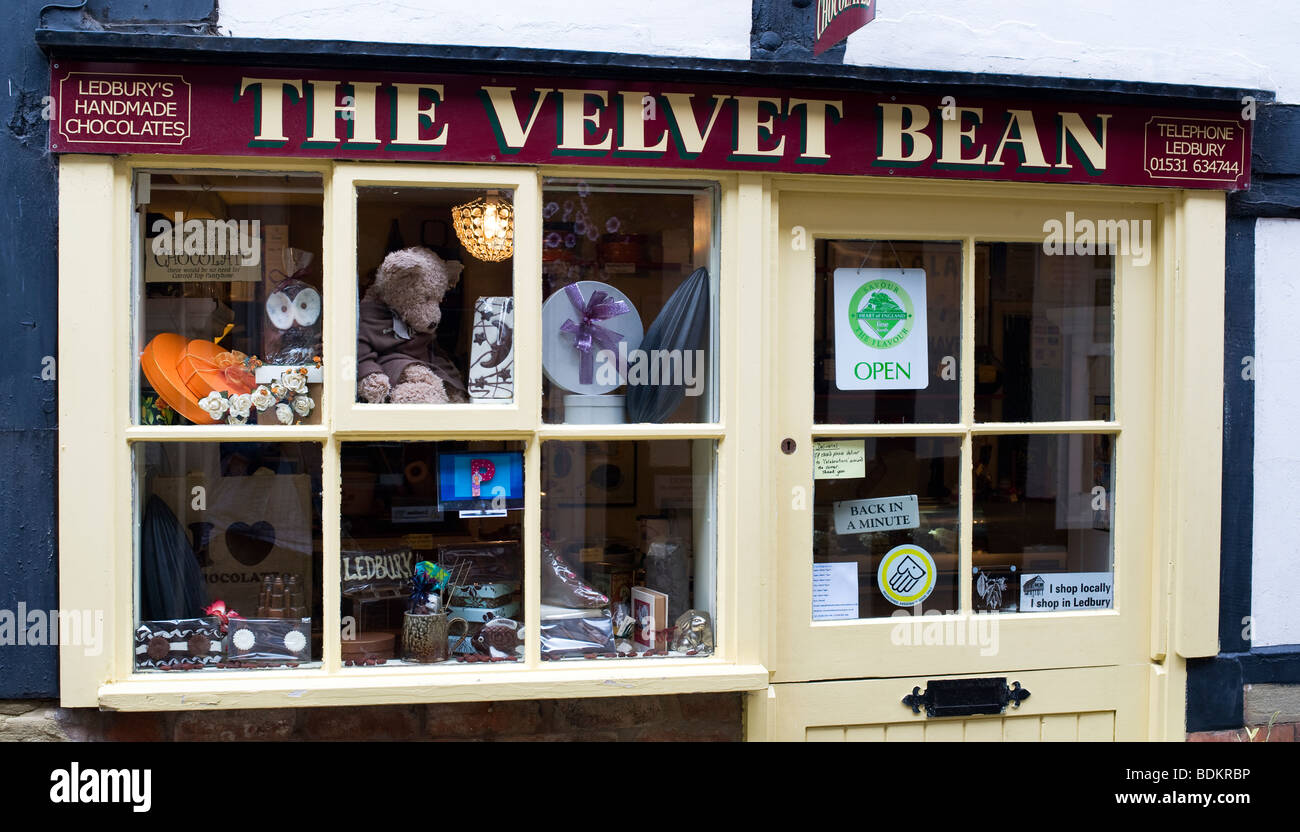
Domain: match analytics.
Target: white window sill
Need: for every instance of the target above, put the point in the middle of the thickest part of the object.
(371, 686)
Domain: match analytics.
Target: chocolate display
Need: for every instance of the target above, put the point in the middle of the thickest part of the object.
(178, 644)
(368, 648)
(269, 641)
(693, 633)
(281, 597)
(566, 634)
(498, 637)
(562, 587)
(488, 562)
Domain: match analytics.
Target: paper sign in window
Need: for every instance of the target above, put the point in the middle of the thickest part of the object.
(880, 329)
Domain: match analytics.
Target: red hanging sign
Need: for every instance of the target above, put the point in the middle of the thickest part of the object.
(837, 19)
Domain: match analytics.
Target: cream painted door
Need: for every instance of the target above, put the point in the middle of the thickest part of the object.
(1012, 448)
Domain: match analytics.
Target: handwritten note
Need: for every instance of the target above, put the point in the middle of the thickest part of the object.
(835, 591)
(841, 459)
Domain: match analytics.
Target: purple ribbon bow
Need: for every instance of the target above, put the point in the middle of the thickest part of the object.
(587, 332)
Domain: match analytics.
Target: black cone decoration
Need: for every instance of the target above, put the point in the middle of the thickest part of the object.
(683, 325)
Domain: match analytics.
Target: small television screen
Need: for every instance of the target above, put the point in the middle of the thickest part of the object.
(475, 481)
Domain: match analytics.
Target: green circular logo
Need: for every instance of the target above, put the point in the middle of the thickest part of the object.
(880, 314)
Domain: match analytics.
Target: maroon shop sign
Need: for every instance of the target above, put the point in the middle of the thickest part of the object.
(345, 114)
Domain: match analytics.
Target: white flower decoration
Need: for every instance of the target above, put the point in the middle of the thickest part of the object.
(240, 404)
(303, 405)
(294, 381)
(284, 413)
(215, 405)
(237, 419)
(262, 398)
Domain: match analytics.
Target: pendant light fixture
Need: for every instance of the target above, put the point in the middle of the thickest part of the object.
(486, 227)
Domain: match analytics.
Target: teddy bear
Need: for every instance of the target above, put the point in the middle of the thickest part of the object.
(399, 314)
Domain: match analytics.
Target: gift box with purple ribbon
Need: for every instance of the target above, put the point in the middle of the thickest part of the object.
(581, 321)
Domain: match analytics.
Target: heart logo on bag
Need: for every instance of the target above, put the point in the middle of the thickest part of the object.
(250, 544)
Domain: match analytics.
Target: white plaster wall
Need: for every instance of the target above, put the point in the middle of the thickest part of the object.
(1275, 582)
(1246, 43)
(1249, 43)
(706, 28)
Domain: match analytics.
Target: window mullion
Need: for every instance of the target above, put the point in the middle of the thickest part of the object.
(533, 552)
(332, 586)
(966, 505)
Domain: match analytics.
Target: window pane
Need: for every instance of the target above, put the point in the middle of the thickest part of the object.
(885, 521)
(628, 325)
(229, 313)
(1043, 342)
(456, 507)
(628, 564)
(436, 321)
(888, 332)
(1043, 516)
(227, 528)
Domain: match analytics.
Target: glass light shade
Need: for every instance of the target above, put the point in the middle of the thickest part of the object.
(486, 228)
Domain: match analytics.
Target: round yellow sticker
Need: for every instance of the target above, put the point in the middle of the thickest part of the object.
(906, 575)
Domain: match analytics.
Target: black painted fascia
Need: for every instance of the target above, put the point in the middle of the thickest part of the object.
(172, 48)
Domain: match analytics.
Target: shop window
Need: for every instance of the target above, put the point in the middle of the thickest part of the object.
(628, 548)
(435, 293)
(629, 321)
(431, 548)
(451, 513)
(229, 300)
(888, 533)
(228, 541)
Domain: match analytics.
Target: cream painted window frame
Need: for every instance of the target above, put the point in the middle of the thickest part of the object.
(96, 486)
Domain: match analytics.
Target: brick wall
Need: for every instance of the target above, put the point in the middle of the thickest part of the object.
(703, 717)
(1278, 732)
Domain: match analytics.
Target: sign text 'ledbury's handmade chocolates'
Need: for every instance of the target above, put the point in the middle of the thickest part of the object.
(346, 114)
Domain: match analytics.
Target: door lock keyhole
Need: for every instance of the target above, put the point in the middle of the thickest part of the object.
(788, 446)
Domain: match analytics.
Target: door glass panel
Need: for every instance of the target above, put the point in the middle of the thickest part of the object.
(887, 332)
(1043, 334)
(1043, 538)
(885, 526)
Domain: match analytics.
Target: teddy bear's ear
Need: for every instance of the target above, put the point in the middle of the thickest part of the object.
(454, 268)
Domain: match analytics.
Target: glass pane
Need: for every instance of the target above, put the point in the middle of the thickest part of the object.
(229, 312)
(229, 555)
(436, 320)
(888, 332)
(628, 565)
(1043, 537)
(432, 564)
(629, 273)
(1043, 340)
(885, 522)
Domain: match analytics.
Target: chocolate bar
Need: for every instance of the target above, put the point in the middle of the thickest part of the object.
(269, 641)
(178, 643)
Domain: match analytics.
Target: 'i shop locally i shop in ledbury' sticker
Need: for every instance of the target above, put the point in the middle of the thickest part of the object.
(906, 576)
